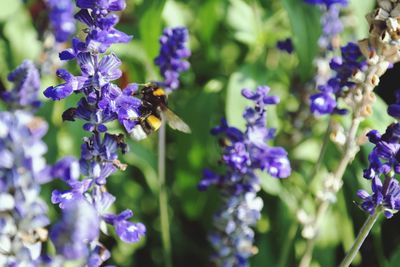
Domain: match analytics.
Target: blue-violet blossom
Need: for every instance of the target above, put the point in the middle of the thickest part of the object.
(243, 154)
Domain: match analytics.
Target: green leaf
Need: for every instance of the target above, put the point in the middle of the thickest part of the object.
(379, 119)
(394, 261)
(358, 9)
(235, 104)
(208, 26)
(265, 256)
(307, 150)
(3, 60)
(346, 225)
(270, 184)
(23, 37)
(305, 22)
(143, 158)
(189, 154)
(176, 14)
(151, 26)
(8, 8)
(245, 20)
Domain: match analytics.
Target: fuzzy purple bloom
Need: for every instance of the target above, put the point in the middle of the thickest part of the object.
(384, 161)
(24, 94)
(243, 154)
(384, 158)
(285, 45)
(78, 226)
(394, 109)
(62, 20)
(344, 67)
(386, 196)
(331, 26)
(98, 17)
(128, 231)
(173, 53)
(323, 103)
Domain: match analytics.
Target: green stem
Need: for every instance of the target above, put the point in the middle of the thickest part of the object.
(163, 198)
(360, 238)
(288, 244)
(294, 227)
(351, 148)
(361, 109)
(322, 151)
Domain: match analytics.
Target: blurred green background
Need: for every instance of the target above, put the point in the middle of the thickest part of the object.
(233, 46)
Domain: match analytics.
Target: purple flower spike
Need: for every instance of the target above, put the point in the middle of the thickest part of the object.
(327, 2)
(24, 94)
(384, 157)
(23, 168)
(62, 19)
(109, 5)
(388, 198)
(78, 227)
(101, 102)
(243, 154)
(171, 59)
(351, 61)
(384, 161)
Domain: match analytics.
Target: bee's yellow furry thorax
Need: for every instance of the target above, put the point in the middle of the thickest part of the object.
(159, 92)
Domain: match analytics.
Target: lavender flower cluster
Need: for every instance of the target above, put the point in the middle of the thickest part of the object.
(337, 86)
(23, 214)
(61, 15)
(327, 3)
(243, 154)
(384, 163)
(330, 20)
(101, 103)
(171, 60)
(332, 26)
(24, 94)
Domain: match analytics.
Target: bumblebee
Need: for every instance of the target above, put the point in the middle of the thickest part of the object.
(153, 110)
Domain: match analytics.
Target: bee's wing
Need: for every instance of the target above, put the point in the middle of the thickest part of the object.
(175, 122)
